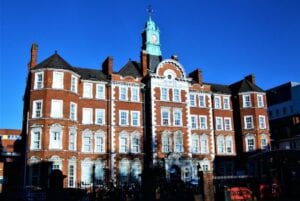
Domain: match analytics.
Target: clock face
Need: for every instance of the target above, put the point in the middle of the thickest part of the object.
(153, 38)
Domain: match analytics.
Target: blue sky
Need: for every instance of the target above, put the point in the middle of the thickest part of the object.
(227, 39)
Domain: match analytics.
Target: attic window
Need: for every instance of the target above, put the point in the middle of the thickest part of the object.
(169, 77)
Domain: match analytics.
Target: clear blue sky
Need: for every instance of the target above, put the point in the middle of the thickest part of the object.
(227, 39)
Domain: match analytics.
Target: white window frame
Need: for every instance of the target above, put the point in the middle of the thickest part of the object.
(38, 84)
(229, 144)
(247, 138)
(166, 143)
(99, 142)
(100, 91)
(124, 138)
(262, 122)
(126, 118)
(135, 143)
(246, 126)
(247, 101)
(164, 96)
(137, 113)
(178, 142)
(33, 140)
(194, 122)
(74, 84)
(226, 103)
(37, 110)
(57, 112)
(221, 149)
(100, 115)
(202, 122)
(163, 110)
(192, 99)
(56, 137)
(263, 142)
(202, 101)
(73, 113)
(204, 144)
(219, 123)
(87, 90)
(176, 95)
(72, 145)
(176, 121)
(217, 100)
(195, 144)
(135, 95)
(227, 124)
(123, 96)
(72, 163)
(87, 115)
(58, 80)
(87, 146)
(86, 172)
(260, 101)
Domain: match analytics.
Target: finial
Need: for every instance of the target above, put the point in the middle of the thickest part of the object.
(150, 11)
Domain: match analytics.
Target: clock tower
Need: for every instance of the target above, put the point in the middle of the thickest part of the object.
(151, 41)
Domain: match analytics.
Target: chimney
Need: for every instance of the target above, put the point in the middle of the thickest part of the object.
(33, 56)
(196, 75)
(251, 78)
(174, 57)
(107, 65)
(144, 62)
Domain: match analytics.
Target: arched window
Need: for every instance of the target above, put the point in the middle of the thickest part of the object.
(204, 144)
(250, 142)
(99, 171)
(205, 165)
(166, 142)
(264, 141)
(195, 144)
(87, 141)
(99, 142)
(56, 163)
(221, 144)
(123, 142)
(86, 172)
(72, 139)
(229, 148)
(56, 134)
(35, 142)
(72, 172)
(34, 171)
(124, 167)
(136, 170)
(135, 143)
(178, 142)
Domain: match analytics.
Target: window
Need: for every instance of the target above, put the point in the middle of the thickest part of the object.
(194, 121)
(136, 170)
(202, 100)
(56, 163)
(100, 117)
(263, 142)
(248, 121)
(87, 141)
(164, 94)
(221, 144)
(135, 118)
(99, 172)
(74, 81)
(246, 101)
(100, 91)
(226, 103)
(178, 142)
(135, 94)
(135, 144)
(219, 123)
(217, 102)
(123, 118)
(35, 138)
(262, 122)
(39, 80)
(87, 116)
(72, 139)
(203, 122)
(73, 111)
(123, 93)
(37, 109)
(192, 100)
(177, 118)
(166, 143)
(165, 117)
(55, 137)
(58, 80)
(176, 95)
(99, 142)
(124, 169)
(195, 144)
(250, 143)
(86, 172)
(57, 108)
(87, 90)
(204, 144)
(260, 101)
(227, 123)
(72, 173)
(123, 143)
(228, 144)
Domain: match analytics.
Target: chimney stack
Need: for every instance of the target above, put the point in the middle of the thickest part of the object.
(197, 76)
(144, 62)
(251, 78)
(107, 66)
(33, 56)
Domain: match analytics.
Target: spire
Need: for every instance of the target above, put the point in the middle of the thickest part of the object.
(150, 11)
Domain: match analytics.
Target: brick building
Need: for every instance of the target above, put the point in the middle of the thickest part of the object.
(97, 125)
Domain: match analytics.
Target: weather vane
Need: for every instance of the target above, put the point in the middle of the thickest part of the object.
(150, 10)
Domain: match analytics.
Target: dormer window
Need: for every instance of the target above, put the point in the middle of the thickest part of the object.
(169, 77)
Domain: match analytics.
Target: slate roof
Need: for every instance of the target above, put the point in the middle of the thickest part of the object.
(220, 88)
(54, 61)
(90, 74)
(132, 68)
(244, 86)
